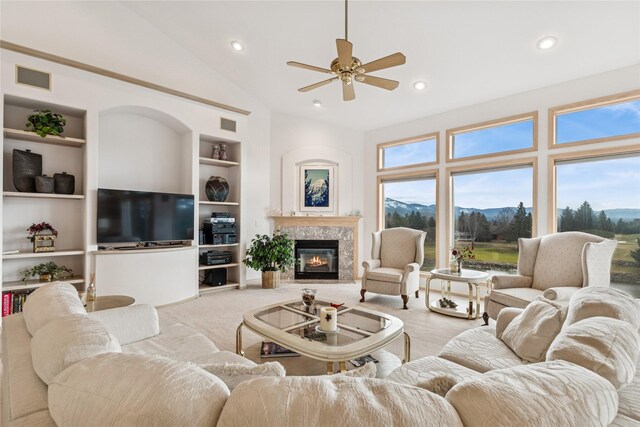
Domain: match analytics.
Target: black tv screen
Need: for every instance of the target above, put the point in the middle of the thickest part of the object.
(143, 216)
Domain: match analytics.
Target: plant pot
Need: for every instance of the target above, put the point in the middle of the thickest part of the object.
(270, 279)
(45, 277)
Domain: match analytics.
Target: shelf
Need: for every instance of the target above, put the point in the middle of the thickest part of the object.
(217, 246)
(42, 195)
(203, 289)
(216, 162)
(43, 254)
(212, 267)
(19, 285)
(202, 202)
(24, 135)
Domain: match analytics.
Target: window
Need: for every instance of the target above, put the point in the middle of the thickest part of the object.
(517, 133)
(604, 119)
(408, 153)
(411, 202)
(491, 209)
(608, 206)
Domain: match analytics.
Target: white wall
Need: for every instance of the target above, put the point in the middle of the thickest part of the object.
(540, 100)
(109, 35)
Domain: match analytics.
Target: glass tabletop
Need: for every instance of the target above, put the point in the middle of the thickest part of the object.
(282, 318)
(464, 274)
(342, 337)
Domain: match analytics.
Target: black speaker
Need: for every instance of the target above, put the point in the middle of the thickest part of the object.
(215, 277)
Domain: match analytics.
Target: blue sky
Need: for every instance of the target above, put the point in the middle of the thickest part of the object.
(413, 153)
(513, 136)
(612, 120)
(422, 191)
(495, 189)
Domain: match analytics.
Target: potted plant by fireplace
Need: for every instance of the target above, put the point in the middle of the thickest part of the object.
(270, 255)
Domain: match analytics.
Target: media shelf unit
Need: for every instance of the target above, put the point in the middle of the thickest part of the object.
(65, 212)
(229, 170)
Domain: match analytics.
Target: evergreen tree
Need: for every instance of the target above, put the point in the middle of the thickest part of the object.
(431, 222)
(521, 225)
(567, 220)
(585, 217)
(602, 220)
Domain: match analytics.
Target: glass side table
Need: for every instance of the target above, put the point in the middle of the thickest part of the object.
(474, 280)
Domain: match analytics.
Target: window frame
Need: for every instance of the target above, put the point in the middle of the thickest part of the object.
(491, 167)
(589, 104)
(408, 176)
(383, 145)
(552, 193)
(451, 133)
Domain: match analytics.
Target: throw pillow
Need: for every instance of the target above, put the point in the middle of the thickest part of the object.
(117, 389)
(233, 374)
(606, 346)
(608, 302)
(368, 370)
(439, 385)
(68, 340)
(531, 332)
(49, 302)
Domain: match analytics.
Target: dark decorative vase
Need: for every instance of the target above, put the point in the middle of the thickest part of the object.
(26, 166)
(64, 184)
(44, 184)
(217, 189)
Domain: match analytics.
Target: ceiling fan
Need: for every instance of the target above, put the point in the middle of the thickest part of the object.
(347, 68)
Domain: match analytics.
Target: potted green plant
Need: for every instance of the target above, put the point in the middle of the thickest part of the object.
(270, 255)
(46, 272)
(45, 122)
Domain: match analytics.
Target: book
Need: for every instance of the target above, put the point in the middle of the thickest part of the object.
(271, 349)
(6, 301)
(360, 361)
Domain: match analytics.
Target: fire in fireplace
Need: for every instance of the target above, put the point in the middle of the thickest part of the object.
(316, 259)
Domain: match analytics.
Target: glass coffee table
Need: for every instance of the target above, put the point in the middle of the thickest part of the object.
(292, 325)
(473, 278)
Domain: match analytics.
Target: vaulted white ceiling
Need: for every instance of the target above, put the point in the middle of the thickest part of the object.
(468, 52)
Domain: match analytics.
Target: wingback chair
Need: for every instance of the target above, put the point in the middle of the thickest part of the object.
(397, 254)
(555, 266)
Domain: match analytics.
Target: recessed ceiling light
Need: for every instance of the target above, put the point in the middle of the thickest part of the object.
(547, 43)
(237, 46)
(420, 85)
(317, 103)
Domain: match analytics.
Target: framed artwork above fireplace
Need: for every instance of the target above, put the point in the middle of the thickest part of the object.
(317, 188)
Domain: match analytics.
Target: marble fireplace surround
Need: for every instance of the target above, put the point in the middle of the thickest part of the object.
(341, 228)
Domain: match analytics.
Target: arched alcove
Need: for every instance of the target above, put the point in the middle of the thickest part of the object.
(140, 148)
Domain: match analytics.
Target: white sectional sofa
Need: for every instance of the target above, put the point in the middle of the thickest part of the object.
(121, 367)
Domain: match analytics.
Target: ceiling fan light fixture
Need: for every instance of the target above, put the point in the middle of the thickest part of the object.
(420, 85)
(547, 42)
(237, 46)
(317, 103)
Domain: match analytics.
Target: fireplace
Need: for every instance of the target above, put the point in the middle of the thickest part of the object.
(316, 259)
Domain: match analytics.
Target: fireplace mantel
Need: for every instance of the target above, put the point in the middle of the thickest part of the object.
(298, 225)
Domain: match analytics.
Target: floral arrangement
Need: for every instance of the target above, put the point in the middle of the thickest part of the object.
(36, 229)
(466, 252)
(49, 268)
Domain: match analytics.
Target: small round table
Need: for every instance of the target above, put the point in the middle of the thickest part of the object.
(472, 278)
(105, 302)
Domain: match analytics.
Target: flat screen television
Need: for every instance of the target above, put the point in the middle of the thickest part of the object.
(143, 216)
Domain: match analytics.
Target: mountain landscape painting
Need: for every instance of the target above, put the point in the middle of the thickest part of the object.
(317, 188)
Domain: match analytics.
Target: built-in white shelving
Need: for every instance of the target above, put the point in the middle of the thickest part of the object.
(43, 195)
(24, 135)
(20, 255)
(20, 285)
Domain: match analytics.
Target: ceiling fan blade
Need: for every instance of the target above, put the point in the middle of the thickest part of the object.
(308, 67)
(348, 94)
(392, 60)
(379, 82)
(345, 51)
(316, 85)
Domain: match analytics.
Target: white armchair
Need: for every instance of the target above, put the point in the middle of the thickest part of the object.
(395, 268)
(555, 266)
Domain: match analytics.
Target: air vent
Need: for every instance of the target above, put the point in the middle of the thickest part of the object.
(34, 78)
(227, 124)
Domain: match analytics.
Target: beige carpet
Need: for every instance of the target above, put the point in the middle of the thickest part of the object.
(218, 314)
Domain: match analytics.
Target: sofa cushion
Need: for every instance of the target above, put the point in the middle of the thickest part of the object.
(36, 419)
(609, 347)
(135, 390)
(334, 400)
(49, 302)
(531, 332)
(131, 323)
(28, 394)
(421, 370)
(541, 394)
(67, 340)
(629, 396)
(393, 275)
(479, 349)
(515, 297)
(233, 374)
(607, 302)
